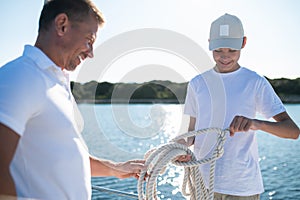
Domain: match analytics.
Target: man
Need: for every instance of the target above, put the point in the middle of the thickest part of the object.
(230, 96)
(42, 155)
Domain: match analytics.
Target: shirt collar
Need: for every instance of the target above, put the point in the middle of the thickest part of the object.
(38, 56)
(45, 63)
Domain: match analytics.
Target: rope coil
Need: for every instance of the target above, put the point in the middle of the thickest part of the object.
(160, 157)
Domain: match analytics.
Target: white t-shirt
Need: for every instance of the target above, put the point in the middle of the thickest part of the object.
(51, 161)
(214, 99)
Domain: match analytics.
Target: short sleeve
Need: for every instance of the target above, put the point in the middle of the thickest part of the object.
(18, 100)
(268, 102)
(190, 107)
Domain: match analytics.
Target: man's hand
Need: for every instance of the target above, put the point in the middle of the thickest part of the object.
(130, 168)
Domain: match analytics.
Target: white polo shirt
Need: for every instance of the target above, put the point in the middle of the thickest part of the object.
(51, 161)
(214, 99)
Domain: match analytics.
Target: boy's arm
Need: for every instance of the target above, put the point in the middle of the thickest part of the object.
(283, 126)
(190, 140)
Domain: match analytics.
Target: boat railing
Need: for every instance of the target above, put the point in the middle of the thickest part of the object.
(116, 192)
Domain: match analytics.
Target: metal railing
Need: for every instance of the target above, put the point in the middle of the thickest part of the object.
(116, 192)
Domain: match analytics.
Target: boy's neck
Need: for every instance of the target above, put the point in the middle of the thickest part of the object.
(217, 69)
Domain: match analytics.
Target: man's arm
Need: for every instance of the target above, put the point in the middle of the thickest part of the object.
(131, 168)
(8, 144)
(283, 126)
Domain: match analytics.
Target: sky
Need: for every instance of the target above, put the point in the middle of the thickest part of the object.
(144, 40)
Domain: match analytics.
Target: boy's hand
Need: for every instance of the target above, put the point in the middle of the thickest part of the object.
(242, 124)
(184, 158)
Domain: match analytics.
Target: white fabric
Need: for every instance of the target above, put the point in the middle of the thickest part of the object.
(51, 161)
(214, 99)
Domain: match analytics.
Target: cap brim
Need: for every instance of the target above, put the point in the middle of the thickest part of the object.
(232, 43)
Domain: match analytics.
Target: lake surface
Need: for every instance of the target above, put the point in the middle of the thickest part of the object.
(121, 132)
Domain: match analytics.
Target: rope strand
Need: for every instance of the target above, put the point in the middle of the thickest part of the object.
(193, 181)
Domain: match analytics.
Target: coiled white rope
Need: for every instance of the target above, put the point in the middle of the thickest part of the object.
(160, 157)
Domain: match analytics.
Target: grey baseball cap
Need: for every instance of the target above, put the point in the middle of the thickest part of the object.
(226, 32)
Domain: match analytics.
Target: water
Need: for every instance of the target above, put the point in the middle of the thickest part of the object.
(122, 132)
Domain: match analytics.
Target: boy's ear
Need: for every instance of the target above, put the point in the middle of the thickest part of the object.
(244, 41)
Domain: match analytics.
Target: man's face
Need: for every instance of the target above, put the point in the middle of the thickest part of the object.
(226, 59)
(79, 43)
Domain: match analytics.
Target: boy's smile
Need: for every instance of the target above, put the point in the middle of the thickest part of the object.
(226, 60)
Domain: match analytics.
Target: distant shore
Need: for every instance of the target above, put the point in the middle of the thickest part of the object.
(131, 101)
(295, 99)
(161, 92)
(290, 99)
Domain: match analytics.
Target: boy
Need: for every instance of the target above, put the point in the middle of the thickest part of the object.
(230, 96)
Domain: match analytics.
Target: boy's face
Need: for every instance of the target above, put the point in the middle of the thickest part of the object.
(226, 59)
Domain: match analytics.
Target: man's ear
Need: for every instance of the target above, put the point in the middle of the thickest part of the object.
(244, 41)
(61, 23)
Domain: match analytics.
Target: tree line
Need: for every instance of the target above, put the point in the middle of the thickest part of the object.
(161, 91)
(287, 89)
